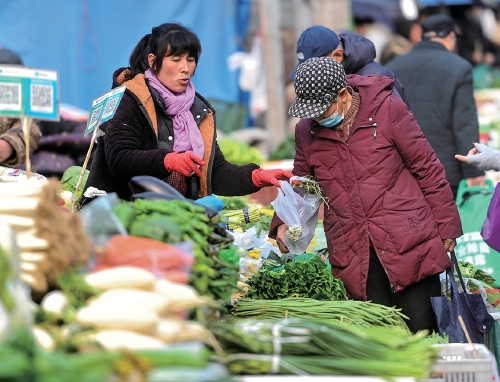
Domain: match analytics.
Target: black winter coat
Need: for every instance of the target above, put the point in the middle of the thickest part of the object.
(140, 135)
(439, 86)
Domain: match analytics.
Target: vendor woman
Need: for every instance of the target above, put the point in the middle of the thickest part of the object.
(163, 128)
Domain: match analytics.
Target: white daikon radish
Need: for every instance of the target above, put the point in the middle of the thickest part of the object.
(44, 339)
(117, 317)
(139, 299)
(33, 257)
(179, 296)
(125, 339)
(171, 331)
(27, 278)
(28, 242)
(28, 267)
(31, 188)
(121, 277)
(55, 302)
(17, 222)
(20, 205)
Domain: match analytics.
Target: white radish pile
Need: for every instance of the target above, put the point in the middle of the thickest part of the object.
(138, 311)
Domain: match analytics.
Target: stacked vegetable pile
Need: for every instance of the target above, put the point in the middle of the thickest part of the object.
(303, 347)
(178, 221)
(51, 239)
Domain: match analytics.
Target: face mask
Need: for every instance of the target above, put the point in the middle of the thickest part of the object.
(333, 120)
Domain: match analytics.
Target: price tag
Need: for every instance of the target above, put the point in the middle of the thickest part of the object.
(104, 108)
(28, 92)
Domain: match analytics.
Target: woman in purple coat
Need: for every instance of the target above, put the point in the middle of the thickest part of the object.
(391, 216)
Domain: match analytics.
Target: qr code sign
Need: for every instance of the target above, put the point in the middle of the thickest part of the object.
(110, 107)
(10, 96)
(94, 118)
(42, 97)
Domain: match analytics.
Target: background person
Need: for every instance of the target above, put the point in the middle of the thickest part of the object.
(12, 142)
(439, 86)
(391, 216)
(355, 52)
(163, 128)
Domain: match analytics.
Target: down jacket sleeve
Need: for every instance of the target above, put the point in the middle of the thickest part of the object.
(423, 163)
(12, 132)
(122, 141)
(229, 179)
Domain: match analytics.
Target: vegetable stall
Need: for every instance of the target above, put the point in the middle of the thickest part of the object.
(161, 288)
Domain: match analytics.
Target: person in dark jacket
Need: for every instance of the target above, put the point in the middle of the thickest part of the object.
(355, 52)
(163, 128)
(439, 86)
(391, 217)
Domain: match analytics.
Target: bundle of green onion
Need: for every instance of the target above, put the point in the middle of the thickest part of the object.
(350, 312)
(240, 218)
(303, 347)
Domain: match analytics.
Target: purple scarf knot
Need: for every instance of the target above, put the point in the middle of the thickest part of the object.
(187, 136)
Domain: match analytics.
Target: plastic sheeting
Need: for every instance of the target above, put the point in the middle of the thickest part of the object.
(86, 40)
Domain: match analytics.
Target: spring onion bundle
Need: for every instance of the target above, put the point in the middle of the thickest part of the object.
(351, 312)
(240, 218)
(303, 347)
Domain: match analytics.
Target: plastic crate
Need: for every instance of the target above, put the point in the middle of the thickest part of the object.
(456, 365)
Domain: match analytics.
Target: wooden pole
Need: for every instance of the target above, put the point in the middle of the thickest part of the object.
(270, 24)
(85, 163)
(26, 130)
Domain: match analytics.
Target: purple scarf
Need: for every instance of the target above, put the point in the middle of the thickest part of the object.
(187, 136)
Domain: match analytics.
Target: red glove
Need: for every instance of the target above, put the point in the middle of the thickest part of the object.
(185, 163)
(267, 178)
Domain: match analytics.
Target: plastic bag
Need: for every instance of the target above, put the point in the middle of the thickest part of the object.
(299, 213)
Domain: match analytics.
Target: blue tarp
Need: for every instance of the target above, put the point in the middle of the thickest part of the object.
(85, 41)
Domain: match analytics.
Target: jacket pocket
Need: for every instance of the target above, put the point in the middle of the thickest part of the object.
(409, 221)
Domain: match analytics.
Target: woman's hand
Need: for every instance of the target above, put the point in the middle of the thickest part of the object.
(449, 244)
(186, 163)
(280, 238)
(267, 178)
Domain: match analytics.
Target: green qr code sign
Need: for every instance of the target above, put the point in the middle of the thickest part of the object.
(104, 108)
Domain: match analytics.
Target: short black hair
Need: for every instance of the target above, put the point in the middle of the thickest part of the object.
(173, 39)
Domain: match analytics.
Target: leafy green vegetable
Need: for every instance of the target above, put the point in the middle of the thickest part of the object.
(234, 202)
(74, 286)
(69, 180)
(285, 150)
(298, 279)
(239, 152)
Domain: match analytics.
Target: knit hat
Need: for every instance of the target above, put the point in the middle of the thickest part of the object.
(315, 41)
(317, 83)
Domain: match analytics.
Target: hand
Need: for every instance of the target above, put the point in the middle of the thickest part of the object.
(483, 157)
(6, 150)
(267, 178)
(477, 181)
(449, 244)
(280, 238)
(186, 163)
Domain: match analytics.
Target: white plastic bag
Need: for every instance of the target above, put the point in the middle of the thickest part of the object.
(299, 213)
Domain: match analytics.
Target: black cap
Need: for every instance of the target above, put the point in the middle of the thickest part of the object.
(438, 25)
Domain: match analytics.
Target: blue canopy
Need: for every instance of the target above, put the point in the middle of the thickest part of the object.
(85, 41)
